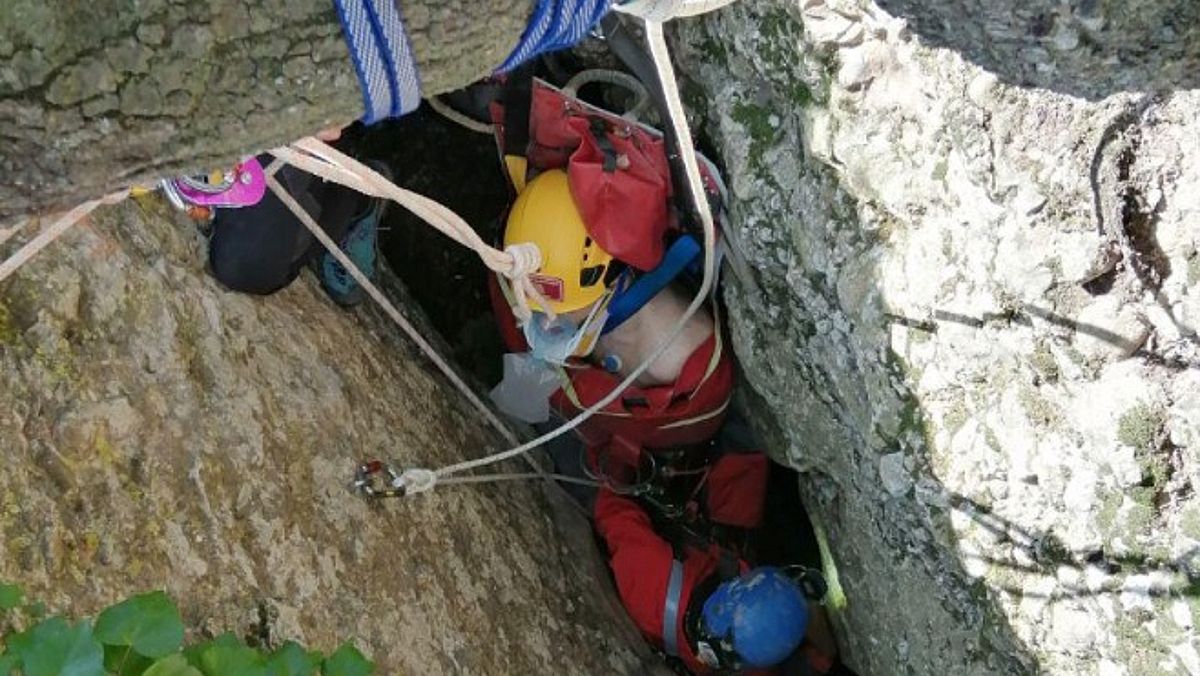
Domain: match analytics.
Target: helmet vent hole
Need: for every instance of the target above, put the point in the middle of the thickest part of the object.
(587, 242)
(591, 276)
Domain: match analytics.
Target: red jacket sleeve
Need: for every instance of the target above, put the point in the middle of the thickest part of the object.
(640, 560)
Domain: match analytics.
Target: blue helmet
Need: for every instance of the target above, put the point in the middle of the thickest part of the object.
(760, 616)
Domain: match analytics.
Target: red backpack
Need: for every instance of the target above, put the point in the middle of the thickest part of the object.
(618, 171)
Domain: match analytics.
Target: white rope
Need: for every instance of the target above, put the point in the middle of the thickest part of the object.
(661, 11)
(56, 229)
(465, 121)
(415, 480)
(390, 309)
(518, 476)
(515, 262)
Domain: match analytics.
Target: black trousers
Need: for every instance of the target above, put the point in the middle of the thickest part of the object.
(261, 249)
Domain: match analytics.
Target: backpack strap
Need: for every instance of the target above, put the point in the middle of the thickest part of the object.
(599, 131)
(626, 303)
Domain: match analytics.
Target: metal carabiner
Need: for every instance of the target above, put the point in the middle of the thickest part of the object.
(377, 479)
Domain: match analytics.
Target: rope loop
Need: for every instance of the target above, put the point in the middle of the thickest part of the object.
(418, 480)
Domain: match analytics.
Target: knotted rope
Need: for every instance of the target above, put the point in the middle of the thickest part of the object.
(516, 262)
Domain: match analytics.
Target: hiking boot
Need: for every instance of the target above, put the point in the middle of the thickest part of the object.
(361, 246)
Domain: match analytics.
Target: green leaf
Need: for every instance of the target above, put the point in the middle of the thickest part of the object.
(227, 660)
(293, 660)
(11, 596)
(194, 653)
(172, 665)
(121, 660)
(55, 648)
(347, 661)
(8, 663)
(149, 622)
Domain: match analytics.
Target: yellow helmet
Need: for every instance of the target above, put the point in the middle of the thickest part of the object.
(574, 268)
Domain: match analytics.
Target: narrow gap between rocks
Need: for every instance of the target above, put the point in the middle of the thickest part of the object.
(460, 168)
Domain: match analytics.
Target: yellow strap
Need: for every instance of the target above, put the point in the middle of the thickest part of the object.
(516, 167)
(709, 415)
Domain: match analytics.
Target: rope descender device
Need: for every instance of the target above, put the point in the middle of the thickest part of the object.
(377, 479)
(242, 186)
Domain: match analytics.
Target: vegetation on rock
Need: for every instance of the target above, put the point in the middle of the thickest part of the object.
(143, 636)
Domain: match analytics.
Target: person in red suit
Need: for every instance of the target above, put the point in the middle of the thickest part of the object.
(600, 322)
(710, 609)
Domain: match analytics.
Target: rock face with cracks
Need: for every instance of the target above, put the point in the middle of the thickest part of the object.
(972, 321)
(159, 432)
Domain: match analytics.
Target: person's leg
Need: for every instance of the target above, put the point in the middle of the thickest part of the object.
(352, 220)
(256, 249)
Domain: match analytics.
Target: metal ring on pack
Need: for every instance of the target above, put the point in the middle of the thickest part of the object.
(612, 77)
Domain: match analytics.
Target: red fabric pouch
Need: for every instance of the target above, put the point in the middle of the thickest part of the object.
(618, 171)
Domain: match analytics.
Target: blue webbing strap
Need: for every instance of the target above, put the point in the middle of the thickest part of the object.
(626, 303)
(554, 25)
(670, 626)
(383, 58)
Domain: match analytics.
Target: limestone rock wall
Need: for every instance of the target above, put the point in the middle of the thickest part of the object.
(159, 432)
(972, 321)
(1088, 48)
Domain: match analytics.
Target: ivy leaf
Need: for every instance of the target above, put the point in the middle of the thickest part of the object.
(172, 665)
(293, 660)
(347, 661)
(55, 648)
(232, 660)
(11, 596)
(150, 623)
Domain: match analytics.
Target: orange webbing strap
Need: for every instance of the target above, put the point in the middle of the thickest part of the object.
(51, 233)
